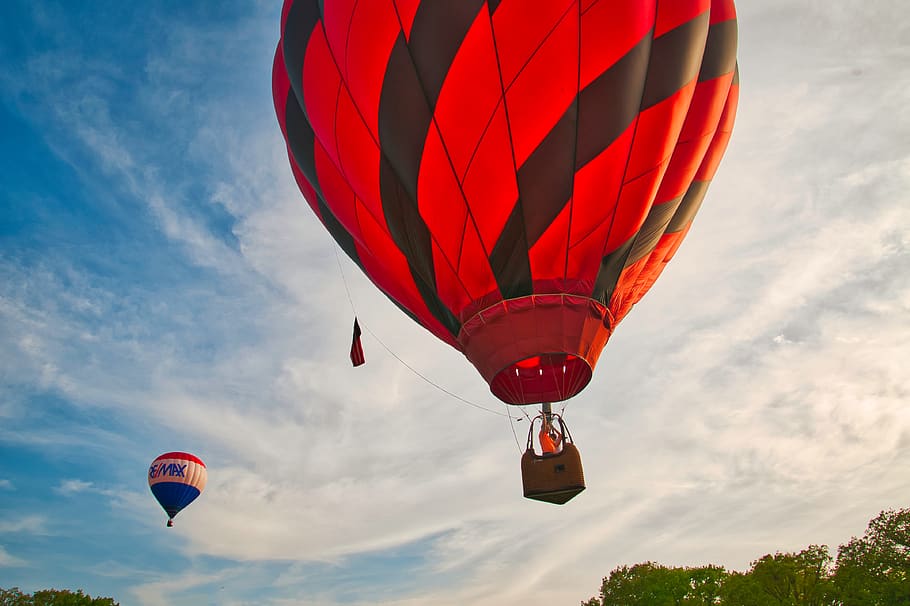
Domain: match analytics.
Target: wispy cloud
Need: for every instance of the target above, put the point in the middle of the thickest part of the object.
(9, 561)
(33, 524)
(159, 592)
(6, 485)
(71, 487)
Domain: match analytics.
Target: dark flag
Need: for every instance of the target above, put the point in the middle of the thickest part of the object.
(356, 348)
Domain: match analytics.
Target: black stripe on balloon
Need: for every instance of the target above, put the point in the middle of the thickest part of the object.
(545, 179)
(436, 306)
(493, 5)
(611, 267)
(675, 60)
(302, 143)
(339, 233)
(436, 35)
(303, 17)
(509, 259)
(720, 51)
(412, 237)
(609, 104)
(652, 229)
(408, 229)
(301, 139)
(689, 206)
(404, 118)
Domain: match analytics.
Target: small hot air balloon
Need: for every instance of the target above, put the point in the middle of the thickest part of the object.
(176, 479)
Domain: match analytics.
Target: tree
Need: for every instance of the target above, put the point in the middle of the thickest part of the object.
(650, 584)
(51, 597)
(642, 584)
(705, 584)
(875, 570)
(13, 597)
(741, 589)
(795, 579)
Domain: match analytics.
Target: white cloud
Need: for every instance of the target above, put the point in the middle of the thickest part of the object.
(6, 485)
(158, 592)
(73, 486)
(31, 524)
(9, 561)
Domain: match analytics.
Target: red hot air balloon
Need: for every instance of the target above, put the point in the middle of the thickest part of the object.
(513, 174)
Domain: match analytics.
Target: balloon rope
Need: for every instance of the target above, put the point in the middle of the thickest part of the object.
(512, 426)
(343, 279)
(440, 388)
(405, 364)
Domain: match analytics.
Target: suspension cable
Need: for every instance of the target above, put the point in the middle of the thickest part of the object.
(405, 364)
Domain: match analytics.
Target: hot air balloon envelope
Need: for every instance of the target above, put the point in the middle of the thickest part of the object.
(176, 479)
(514, 175)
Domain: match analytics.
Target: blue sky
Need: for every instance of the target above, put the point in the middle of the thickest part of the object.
(163, 286)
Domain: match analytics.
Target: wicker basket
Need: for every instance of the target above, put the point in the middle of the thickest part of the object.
(554, 478)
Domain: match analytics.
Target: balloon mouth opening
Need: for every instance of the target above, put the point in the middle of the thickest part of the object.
(538, 348)
(550, 377)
